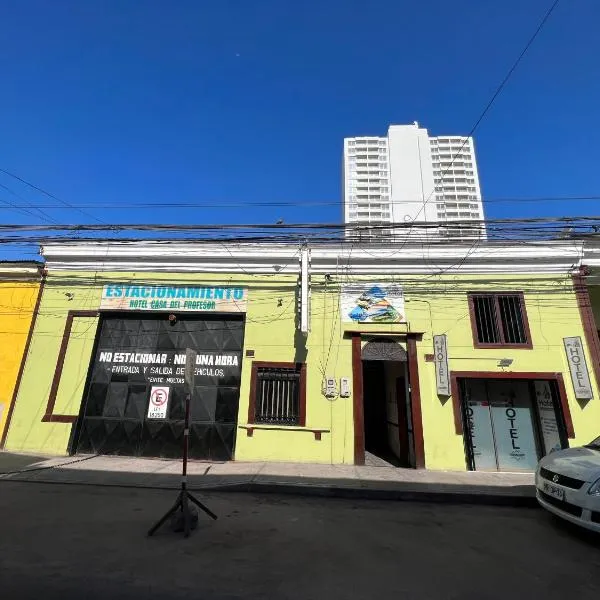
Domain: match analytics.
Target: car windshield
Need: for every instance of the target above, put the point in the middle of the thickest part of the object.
(595, 444)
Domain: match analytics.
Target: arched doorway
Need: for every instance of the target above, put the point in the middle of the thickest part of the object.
(386, 404)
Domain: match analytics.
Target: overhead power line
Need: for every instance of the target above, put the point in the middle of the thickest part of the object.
(495, 95)
(283, 226)
(396, 235)
(46, 193)
(300, 204)
(24, 210)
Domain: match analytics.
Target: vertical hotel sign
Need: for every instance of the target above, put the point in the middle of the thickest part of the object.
(167, 297)
(579, 372)
(440, 357)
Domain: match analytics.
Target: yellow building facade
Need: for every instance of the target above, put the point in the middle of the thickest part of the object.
(437, 358)
(19, 293)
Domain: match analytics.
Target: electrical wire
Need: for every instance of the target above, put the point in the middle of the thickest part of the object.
(388, 239)
(304, 204)
(22, 209)
(489, 104)
(495, 95)
(46, 193)
(301, 225)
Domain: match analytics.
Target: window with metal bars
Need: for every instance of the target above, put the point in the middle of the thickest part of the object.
(278, 395)
(499, 320)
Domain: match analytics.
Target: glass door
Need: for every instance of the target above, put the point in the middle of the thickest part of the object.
(479, 425)
(501, 425)
(550, 426)
(511, 412)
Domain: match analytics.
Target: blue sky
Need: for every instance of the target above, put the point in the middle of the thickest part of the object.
(123, 101)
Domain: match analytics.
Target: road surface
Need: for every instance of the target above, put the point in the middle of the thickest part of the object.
(68, 541)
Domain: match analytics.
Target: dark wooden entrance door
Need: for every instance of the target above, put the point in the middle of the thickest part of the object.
(403, 421)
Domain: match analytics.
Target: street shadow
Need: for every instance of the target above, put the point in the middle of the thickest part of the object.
(165, 474)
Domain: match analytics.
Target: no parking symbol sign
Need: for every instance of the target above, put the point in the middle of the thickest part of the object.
(159, 402)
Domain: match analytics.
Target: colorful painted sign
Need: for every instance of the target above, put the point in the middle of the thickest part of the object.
(181, 299)
(372, 303)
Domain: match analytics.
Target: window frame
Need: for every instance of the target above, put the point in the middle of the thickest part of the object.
(528, 345)
(301, 367)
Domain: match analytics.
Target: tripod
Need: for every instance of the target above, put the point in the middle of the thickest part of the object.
(184, 495)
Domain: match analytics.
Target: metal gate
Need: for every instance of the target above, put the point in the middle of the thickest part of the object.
(135, 354)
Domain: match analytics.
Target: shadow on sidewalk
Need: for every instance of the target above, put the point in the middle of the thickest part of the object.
(165, 474)
(10, 462)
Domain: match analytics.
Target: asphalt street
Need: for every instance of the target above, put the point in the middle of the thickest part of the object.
(68, 541)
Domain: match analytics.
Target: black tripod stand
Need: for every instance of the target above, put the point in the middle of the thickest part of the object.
(184, 496)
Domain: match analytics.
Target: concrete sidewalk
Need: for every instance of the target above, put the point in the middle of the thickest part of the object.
(348, 481)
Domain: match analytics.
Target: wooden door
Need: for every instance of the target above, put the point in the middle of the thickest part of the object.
(402, 421)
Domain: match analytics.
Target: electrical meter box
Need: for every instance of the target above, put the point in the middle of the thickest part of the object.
(344, 387)
(329, 387)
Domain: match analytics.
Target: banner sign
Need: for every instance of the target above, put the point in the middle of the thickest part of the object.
(169, 367)
(161, 297)
(578, 366)
(440, 357)
(372, 303)
(159, 402)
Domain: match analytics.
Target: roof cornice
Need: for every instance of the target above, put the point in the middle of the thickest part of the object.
(355, 259)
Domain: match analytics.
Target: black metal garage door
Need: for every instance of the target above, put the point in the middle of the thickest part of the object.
(133, 355)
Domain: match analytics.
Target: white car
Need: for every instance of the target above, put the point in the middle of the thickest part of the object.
(568, 484)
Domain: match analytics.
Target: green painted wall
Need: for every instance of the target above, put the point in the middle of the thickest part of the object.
(270, 331)
(434, 305)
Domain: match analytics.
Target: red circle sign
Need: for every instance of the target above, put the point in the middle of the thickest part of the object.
(158, 397)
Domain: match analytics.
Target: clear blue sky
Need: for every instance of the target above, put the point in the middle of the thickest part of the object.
(249, 100)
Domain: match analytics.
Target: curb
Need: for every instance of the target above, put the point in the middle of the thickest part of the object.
(521, 500)
(397, 495)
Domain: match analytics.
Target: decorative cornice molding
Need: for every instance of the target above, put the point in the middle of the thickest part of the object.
(21, 271)
(343, 258)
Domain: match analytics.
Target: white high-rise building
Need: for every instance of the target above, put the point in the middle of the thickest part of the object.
(410, 176)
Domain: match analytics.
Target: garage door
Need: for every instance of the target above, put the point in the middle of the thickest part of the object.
(133, 356)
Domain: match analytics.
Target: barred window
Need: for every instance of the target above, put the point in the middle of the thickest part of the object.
(499, 320)
(278, 394)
